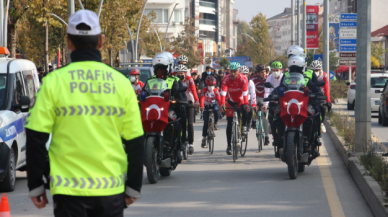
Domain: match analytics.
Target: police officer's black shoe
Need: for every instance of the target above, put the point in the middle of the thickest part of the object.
(191, 150)
(317, 142)
(179, 157)
(203, 144)
(229, 150)
(266, 142)
(316, 153)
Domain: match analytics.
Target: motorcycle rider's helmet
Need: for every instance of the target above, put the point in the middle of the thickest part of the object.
(210, 80)
(182, 58)
(161, 64)
(277, 65)
(260, 67)
(135, 72)
(297, 64)
(244, 69)
(234, 66)
(296, 50)
(170, 57)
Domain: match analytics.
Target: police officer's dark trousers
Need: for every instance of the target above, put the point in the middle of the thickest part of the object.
(78, 206)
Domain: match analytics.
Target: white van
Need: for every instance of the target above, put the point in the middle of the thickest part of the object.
(19, 83)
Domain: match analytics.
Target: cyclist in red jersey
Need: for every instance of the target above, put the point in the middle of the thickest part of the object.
(259, 79)
(235, 91)
(136, 83)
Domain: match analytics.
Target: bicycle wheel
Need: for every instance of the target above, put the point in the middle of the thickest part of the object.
(260, 136)
(243, 148)
(211, 145)
(233, 141)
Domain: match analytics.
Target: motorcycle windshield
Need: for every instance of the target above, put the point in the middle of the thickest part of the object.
(294, 81)
(156, 86)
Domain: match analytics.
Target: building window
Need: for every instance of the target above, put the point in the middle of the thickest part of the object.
(178, 16)
(161, 15)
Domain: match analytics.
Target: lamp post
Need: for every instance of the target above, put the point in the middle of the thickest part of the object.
(138, 30)
(130, 35)
(99, 8)
(249, 37)
(168, 24)
(81, 5)
(160, 43)
(60, 19)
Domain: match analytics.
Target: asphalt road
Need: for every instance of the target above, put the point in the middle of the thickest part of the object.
(256, 185)
(377, 129)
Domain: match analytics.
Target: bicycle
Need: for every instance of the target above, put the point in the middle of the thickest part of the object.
(260, 127)
(237, 137)
(210, 130)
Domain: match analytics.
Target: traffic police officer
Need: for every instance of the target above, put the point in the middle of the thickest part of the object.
(90, 110)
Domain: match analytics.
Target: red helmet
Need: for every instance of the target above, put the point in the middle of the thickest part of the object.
(210, 80)
(135, 72)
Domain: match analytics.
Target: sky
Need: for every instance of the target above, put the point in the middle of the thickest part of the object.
(249, 8)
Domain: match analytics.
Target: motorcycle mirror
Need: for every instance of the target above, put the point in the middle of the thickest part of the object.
(281, 92)
(143, 96)
(268, 85)
(306, 91)
(166, 96)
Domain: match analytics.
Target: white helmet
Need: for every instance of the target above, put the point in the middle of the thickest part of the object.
(316, 64)
(268, 67)
(296, 64)
(296, 50)
(244, 69)
(182, 58)
(169, 57)
(181, 68)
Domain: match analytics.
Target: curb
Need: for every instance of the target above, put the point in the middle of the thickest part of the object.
(369, 187)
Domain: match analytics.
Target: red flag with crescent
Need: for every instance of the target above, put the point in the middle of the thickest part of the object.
(154, 113)
(294, 108)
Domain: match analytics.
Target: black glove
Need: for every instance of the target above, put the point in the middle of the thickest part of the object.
(329, 106)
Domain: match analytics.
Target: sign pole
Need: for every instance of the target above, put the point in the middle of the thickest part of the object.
(326, 36)
(350, 74)
(363, 102)
(292, 22)
(298, 23)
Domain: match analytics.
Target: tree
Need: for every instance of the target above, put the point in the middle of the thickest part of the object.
(16, 11)
(186, 43)
(378, 52)
(224, 62)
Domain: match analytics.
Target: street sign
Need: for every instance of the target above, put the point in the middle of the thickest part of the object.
(348, 24)
(347, 62)
(348, 33)
(331, 75)
(348, 48)
(318, 57)
(348, 16)
(354, 55)
(348, 41)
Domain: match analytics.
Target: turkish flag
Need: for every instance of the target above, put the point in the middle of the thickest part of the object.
(154, 113)
(294, 110)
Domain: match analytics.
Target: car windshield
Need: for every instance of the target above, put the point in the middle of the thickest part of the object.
(156, 87)
(144, 76)
(378, 82)
(293, 81)
(3, 85)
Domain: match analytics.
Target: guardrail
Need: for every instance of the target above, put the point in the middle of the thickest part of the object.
(207, 22)
(207, 4)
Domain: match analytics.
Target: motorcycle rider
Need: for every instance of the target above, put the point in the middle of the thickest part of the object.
(251, 96)
(136, 83)
(209, 98)
(259, 78)
(275, 79)
(192, 96)
(316, 66)
(235, 89)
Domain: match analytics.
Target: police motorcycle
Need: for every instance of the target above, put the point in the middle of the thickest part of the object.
(296, 139)
(162, 127)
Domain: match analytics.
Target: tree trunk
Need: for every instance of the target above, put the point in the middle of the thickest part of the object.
(110, 56)
(12, 39)
(46, 51)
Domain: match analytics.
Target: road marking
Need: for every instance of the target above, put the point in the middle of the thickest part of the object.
(328, 183)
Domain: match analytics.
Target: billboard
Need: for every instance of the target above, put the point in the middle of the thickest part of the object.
(334, 34)
(244, 61)
(312, 37)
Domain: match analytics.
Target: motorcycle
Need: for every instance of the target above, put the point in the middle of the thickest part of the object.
(296, 138)
(163, 130)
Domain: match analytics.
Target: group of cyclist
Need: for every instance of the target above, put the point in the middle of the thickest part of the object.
(238, 88)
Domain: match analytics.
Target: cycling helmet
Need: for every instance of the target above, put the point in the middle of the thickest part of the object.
(234, 66)
(296, 50)
(210, 80)
(182, 58)
(316, 64)
(260, 67)
(244, 70)
(135, 72)
(277, 65)
(268, 68)
(296, 64)
(181, 68)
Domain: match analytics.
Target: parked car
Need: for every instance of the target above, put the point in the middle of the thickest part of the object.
(19, 82)
(383, 109)
(146, 72)
(377, 82)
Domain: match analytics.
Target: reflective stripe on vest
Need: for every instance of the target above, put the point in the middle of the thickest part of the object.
(169, 80)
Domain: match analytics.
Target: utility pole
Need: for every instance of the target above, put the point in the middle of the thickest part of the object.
(71, 9)
(292, 22)
(298, 23)
(326, 36)
(363, 103)
(304, 32)
(1, 22)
